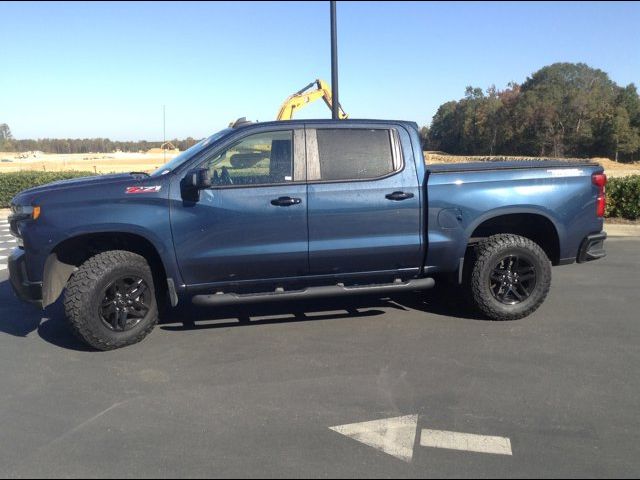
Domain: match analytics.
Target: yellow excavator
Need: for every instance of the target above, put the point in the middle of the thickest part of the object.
(306, 96)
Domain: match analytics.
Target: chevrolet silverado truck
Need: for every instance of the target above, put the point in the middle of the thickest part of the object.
(299, 210)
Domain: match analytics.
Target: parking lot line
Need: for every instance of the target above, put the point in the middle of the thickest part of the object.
(7, 242)
(465, 441)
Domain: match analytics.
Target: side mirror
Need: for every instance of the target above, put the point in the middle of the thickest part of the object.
(194, 181)
(198, 179)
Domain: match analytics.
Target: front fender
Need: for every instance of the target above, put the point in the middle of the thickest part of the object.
(163, 245)
(56, 272)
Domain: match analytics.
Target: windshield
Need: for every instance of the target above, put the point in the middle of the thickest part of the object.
(189, 153)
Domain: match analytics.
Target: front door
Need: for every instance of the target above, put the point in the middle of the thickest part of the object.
(252, 223)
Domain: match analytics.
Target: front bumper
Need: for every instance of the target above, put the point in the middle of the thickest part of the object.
(592, 247)
(25, 290)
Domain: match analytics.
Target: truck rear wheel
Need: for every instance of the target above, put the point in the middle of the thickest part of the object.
(110, 300)
(510, 278)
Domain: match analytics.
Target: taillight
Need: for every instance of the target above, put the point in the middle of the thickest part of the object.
(600, 181)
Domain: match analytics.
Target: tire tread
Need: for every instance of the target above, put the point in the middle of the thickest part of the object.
(79, 291)
(482, 297)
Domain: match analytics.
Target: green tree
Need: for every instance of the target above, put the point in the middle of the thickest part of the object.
(424, 138)
(562, 109)
(628, 99)
(5, 138)
(445, 132)
(560, 104)
(626, 139)
(5, 132)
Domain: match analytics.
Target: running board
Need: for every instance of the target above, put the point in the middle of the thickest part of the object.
(313, 292)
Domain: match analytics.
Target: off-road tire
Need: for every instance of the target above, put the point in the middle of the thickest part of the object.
(488, 254)
(84, 292)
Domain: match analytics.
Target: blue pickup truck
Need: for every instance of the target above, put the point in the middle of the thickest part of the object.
(298, 210)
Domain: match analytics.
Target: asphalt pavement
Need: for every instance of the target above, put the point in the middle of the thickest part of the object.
(409, 386)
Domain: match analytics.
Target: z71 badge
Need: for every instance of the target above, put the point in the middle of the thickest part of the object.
(152, 189)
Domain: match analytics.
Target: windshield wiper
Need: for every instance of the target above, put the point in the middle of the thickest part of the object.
(139, 173)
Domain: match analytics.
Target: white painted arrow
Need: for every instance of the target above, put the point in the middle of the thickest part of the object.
(396, 436)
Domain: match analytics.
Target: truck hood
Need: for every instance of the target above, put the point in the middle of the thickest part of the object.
(32, 194)
(83, 182)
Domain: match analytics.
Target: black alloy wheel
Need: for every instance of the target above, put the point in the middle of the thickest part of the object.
(110, 300)
(125, 303)
(513, 279)
(508, 276)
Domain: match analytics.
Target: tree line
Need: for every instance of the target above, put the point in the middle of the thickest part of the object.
(564, 109)
(81, 145)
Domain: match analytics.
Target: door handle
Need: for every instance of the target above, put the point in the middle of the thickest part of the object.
(285, 201)
(397, 196)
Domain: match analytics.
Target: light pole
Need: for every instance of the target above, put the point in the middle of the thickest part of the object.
(335, 105)
(164, 134)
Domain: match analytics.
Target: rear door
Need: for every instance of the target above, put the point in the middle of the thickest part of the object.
(363, 200)
(252, 223)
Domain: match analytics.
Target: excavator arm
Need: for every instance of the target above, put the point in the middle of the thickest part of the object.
(306, 96)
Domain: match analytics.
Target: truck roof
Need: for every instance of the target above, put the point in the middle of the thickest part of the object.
(242, 122)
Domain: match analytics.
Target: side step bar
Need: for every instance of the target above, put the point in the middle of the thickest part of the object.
(313, 292)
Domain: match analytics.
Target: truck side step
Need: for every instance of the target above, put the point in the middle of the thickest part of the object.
(313, 292)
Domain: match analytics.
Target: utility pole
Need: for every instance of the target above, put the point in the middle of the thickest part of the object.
(164, 134)
(335, 105)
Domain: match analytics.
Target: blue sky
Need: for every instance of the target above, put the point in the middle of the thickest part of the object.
(105, 69)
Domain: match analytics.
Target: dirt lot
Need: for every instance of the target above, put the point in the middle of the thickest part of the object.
(96, 162)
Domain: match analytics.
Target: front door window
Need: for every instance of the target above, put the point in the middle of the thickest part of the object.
(260, 159)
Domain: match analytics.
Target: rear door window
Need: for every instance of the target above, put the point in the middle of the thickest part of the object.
(354, 154)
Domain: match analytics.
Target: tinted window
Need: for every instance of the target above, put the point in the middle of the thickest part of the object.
(257, 159)
(354, 154)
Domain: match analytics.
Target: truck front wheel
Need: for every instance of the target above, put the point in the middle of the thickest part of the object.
(510, 277)
(110, 300)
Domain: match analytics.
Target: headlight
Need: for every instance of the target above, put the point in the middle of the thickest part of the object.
(22, 209)
(19, 214)
(25, 211)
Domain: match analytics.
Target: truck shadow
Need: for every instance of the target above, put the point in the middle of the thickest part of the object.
(444, 301)
(19, 319)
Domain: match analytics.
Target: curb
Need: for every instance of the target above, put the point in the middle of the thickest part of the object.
(621, 230)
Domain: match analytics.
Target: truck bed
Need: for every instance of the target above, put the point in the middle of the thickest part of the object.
(508, 165)
(462, 196)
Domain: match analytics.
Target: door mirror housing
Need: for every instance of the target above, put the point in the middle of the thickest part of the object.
(194, 181)
(197, 179)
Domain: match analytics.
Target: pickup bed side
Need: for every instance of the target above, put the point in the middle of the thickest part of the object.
(554, 204)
